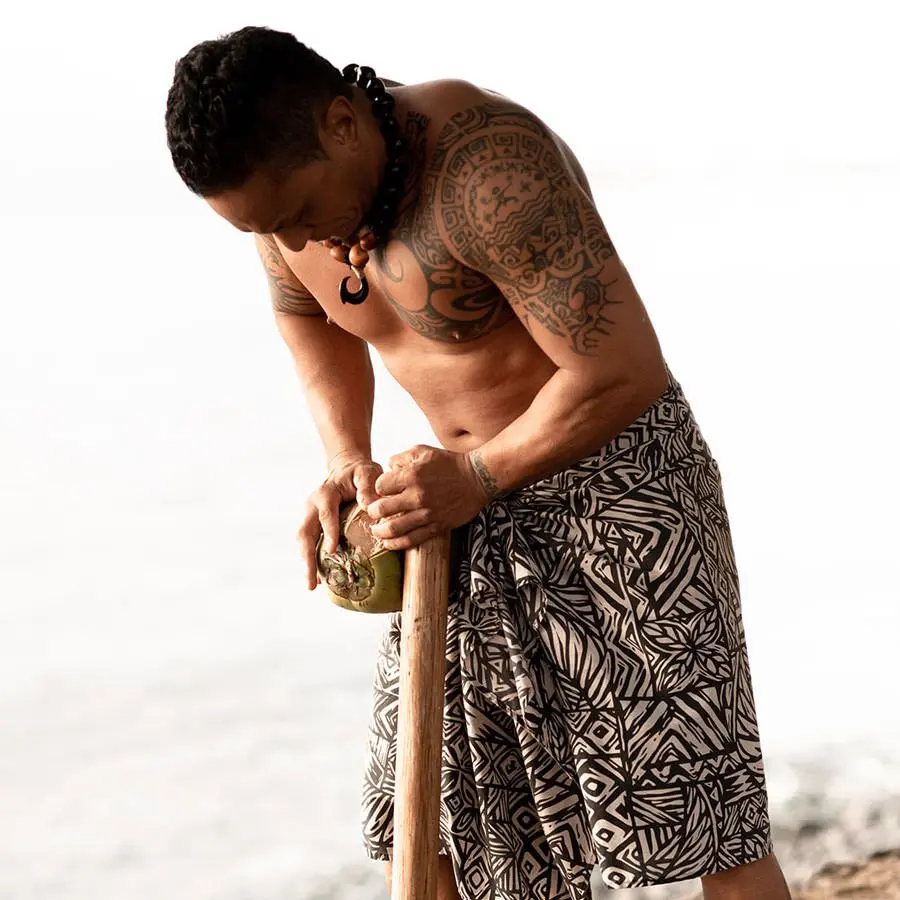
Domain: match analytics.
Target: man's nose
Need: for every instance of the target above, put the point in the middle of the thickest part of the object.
(295, 238)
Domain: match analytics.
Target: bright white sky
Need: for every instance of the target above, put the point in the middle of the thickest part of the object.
(645, 84)
(745, 157)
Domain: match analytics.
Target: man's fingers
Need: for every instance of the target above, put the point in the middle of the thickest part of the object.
(401, 524)
(328, 516)
(312, 574)
(409, 499)
(364, 482)
(327, 501)
(308, 553)
(413, 538)
(398, 460)
(307, 538)
(393, 481)
(408, 457)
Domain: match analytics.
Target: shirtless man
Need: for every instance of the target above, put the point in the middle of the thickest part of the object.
(500, 304)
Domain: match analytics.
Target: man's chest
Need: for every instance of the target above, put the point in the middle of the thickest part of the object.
(414, 283)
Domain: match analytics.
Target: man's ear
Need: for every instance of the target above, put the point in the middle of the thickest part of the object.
(340, 124)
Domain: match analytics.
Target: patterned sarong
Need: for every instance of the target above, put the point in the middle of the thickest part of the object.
(599, 709)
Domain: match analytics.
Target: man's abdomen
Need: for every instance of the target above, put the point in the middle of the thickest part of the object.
(470, 392)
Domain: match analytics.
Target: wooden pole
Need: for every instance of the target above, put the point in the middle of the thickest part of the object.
(420, 721)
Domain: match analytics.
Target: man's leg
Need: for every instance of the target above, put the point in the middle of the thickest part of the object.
(760, 880)
(446, 884)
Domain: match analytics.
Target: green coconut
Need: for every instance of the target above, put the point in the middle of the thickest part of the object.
(362, 574)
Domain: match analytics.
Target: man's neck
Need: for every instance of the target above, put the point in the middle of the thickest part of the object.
(375, 152)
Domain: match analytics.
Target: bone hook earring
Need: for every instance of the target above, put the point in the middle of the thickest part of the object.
(355, 297)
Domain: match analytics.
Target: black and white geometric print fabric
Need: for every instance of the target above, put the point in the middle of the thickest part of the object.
(599, 709)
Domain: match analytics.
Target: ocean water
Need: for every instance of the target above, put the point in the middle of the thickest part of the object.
(181, 718)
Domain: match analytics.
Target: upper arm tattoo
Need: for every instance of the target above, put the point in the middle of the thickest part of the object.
(289, 296)
(510, 208)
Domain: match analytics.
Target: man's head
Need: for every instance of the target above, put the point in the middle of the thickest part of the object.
(269, 134)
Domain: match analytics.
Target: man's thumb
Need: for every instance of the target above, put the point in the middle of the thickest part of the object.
(364, 481)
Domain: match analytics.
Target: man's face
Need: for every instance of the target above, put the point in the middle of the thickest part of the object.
(309, 203)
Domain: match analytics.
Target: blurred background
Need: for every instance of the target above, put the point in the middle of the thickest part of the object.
(179, 718)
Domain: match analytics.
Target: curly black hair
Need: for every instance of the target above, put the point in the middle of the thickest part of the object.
(245, 100)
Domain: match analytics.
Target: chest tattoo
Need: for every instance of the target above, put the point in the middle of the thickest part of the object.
(431, 291)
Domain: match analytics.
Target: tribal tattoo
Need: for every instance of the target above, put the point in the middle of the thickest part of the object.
(289, 296)
(454, 303)
(487, 481)
(510, 208)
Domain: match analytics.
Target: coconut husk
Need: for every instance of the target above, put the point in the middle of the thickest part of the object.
(361, 575)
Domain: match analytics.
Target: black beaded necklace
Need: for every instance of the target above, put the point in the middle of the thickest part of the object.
(378, 220)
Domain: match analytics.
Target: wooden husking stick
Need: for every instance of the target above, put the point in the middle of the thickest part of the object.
(420, 721)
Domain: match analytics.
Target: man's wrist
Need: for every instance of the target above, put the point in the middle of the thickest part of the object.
(483, 475)
(348, 456)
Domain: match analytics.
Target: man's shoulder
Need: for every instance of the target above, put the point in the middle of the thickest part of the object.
(445, 101)
(443, 95)
(482, 124)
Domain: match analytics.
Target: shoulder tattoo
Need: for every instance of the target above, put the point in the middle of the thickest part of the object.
(511, 207)
(289, 296)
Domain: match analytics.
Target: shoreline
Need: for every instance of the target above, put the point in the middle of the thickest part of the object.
(875, 878)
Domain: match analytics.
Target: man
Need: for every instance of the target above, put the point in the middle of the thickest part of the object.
(598, 707)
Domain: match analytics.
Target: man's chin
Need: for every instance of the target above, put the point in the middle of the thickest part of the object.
(337, 235)
(343, 230)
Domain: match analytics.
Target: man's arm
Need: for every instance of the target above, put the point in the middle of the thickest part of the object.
(509, 207)
(333, 366)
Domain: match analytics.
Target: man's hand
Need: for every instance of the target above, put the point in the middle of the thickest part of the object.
(425, 491)
(349, 478)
